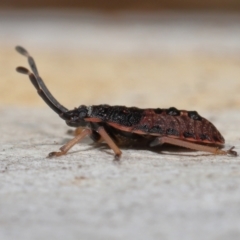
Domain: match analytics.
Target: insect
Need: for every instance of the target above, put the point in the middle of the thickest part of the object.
(130, 126)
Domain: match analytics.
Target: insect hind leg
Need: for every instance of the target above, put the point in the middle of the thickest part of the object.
(193, 146)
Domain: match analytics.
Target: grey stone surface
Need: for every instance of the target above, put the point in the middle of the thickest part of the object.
(175, 194)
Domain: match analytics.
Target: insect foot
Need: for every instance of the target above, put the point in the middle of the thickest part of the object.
(231, 152)
(55, 154)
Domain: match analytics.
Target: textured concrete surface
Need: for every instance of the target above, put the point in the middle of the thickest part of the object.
(85, 194)
(187, 61)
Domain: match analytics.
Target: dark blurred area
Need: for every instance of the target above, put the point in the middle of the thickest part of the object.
(126, 5)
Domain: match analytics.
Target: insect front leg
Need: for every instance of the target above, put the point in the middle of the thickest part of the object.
(65, 148)
(190, 145)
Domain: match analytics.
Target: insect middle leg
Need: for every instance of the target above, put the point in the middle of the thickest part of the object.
(105, 136)
(190, 145)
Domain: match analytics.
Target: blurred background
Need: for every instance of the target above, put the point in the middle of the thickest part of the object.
(136, 53)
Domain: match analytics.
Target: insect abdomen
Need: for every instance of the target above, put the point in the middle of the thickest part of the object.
(188, 125)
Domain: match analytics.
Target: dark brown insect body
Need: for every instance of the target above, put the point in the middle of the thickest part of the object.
(120, 125)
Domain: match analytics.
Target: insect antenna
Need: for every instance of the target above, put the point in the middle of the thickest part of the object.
(38, 83)
(40, 91)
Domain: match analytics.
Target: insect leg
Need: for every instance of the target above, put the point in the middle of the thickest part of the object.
(94, 135)
(190, 145)
(100, 134)
(109, 141)
(65, 148)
